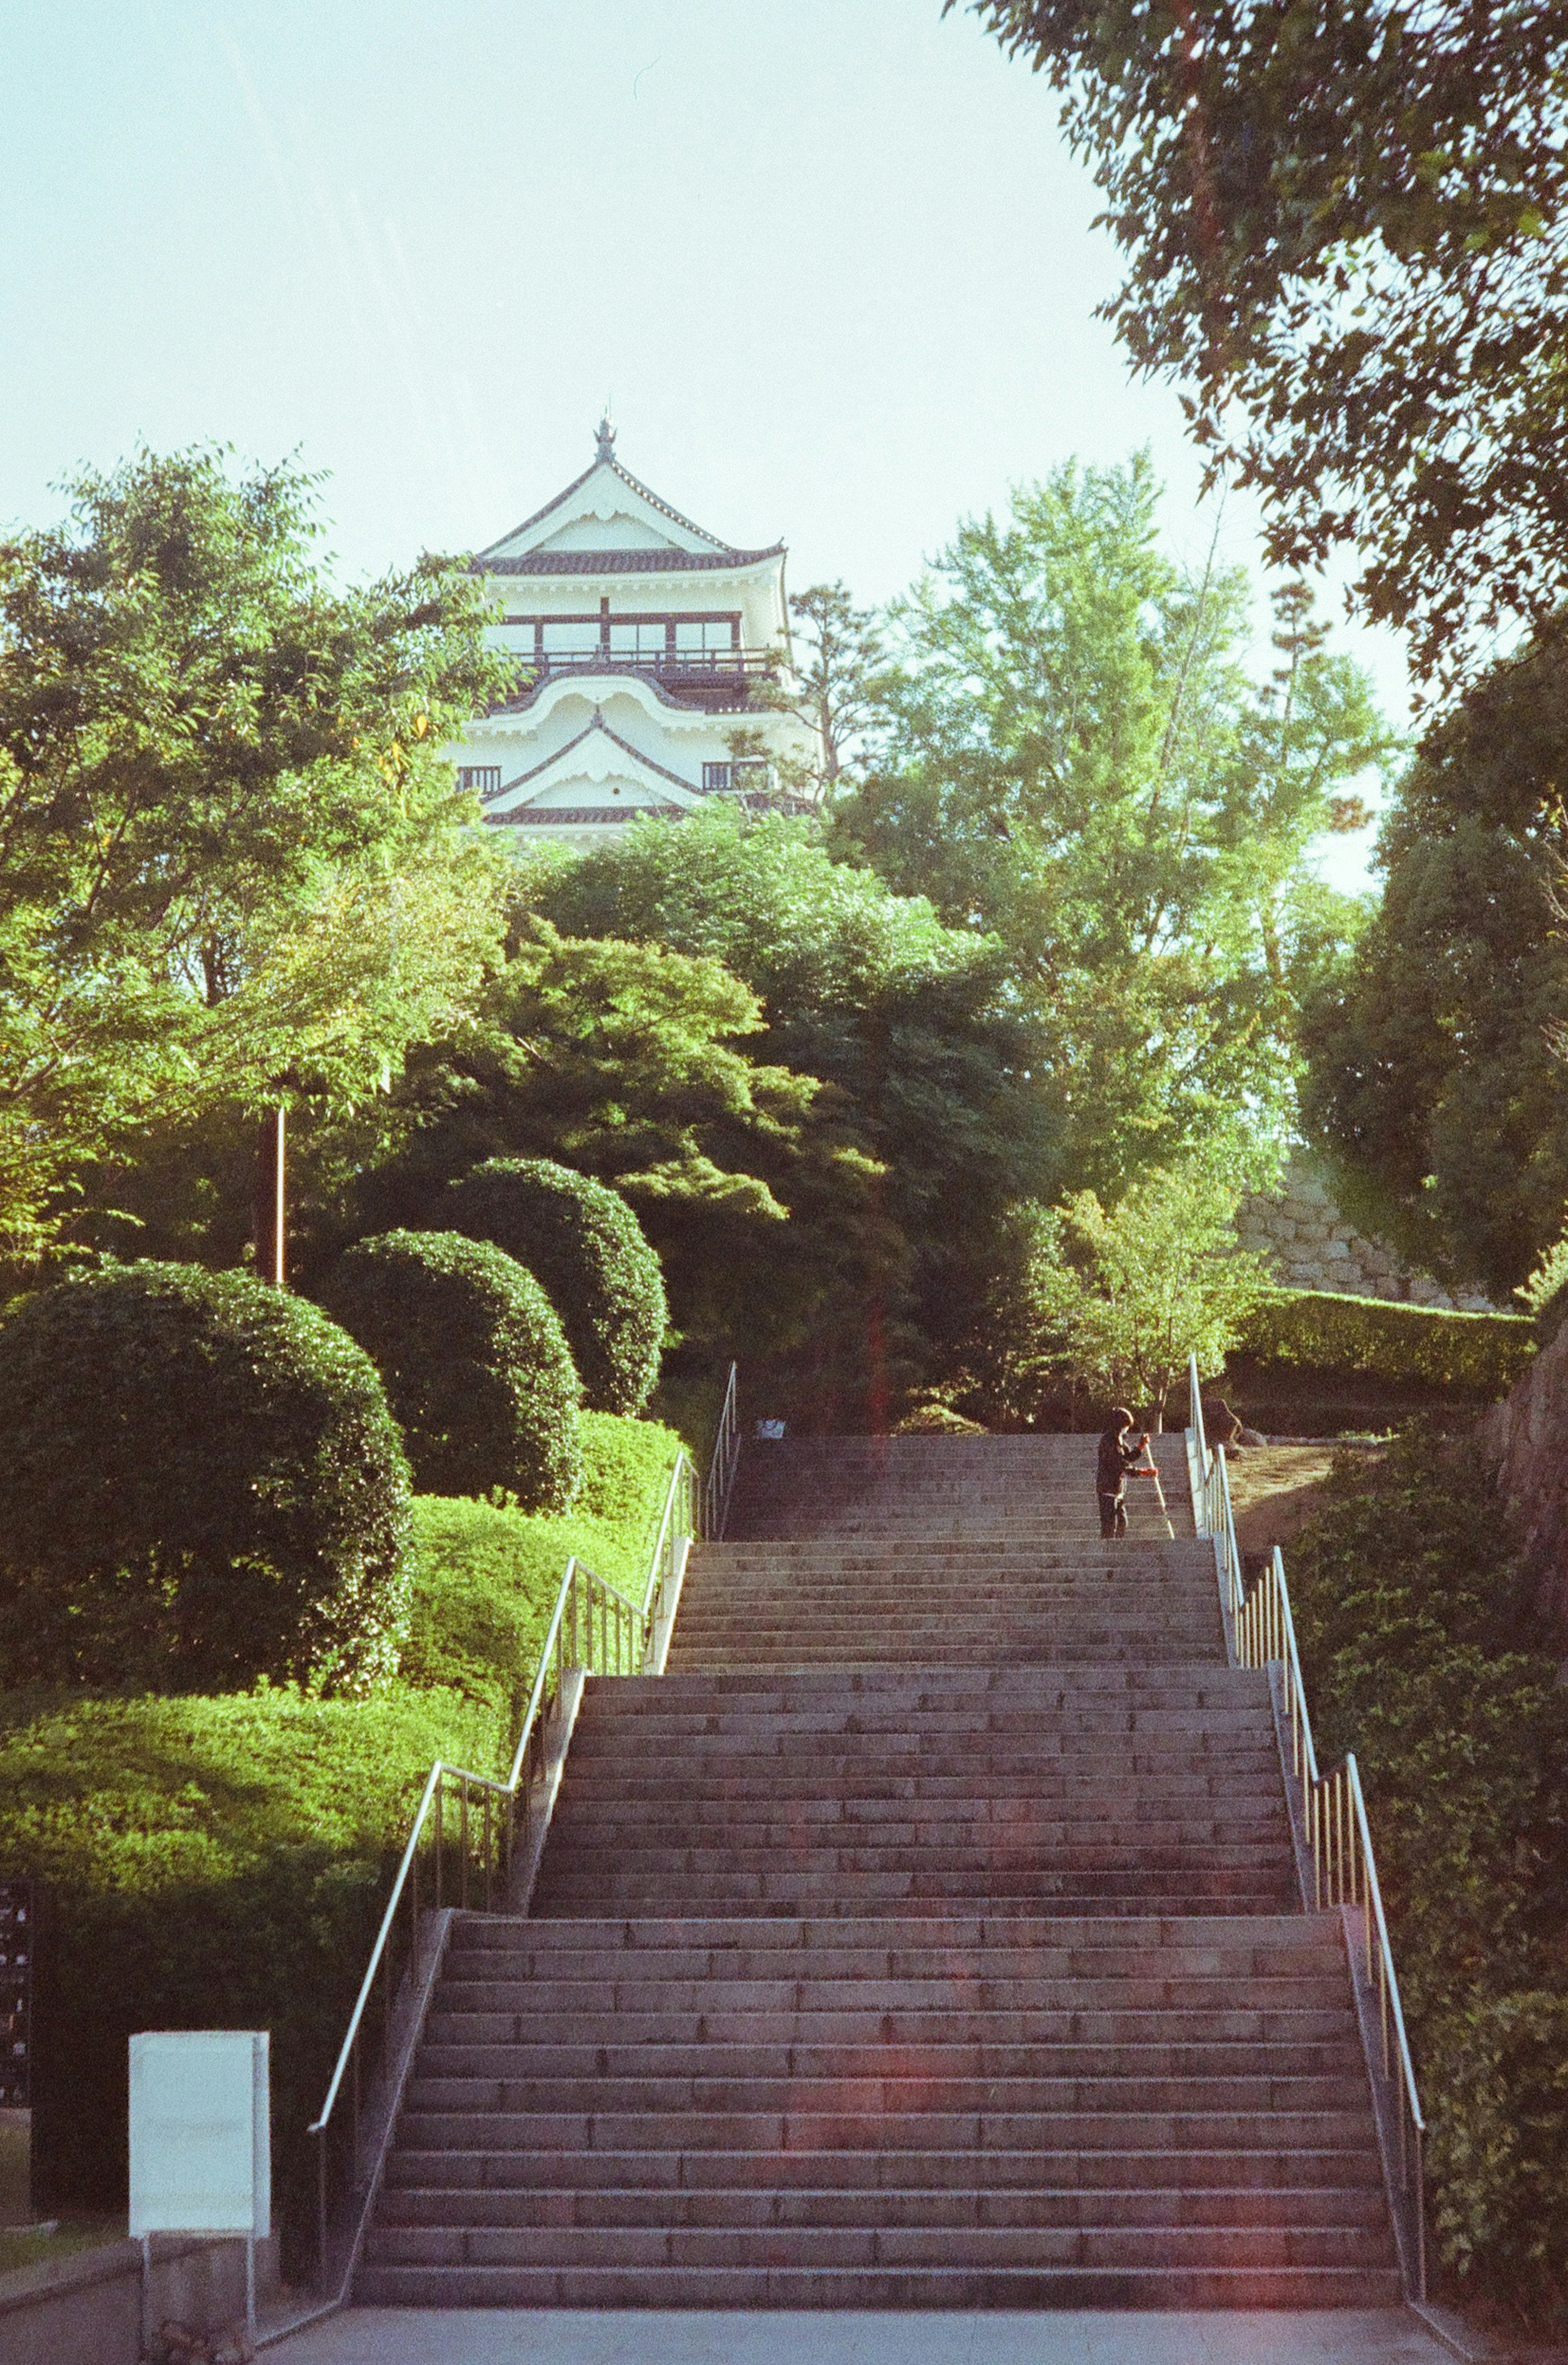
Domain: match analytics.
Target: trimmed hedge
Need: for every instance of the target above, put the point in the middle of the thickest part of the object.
(240, 1848)
(201, 1860)
(200, 1483)
(588, 1248)
(475, 1362)
(485, 1579)
(1474, 1354)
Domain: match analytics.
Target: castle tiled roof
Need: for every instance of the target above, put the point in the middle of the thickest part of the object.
(620, 562)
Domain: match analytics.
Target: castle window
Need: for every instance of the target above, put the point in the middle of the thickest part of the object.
(576, 636)
(643, 639)
(715, 775)
(712, 638)
(479, 779)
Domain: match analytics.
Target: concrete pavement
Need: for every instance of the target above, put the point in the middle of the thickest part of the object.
(374, 2335)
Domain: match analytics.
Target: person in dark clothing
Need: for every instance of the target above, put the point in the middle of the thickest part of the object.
(1116, 1458)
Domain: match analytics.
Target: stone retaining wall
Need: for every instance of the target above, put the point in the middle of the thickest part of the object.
(86, 2309)
(1312, 1246)
(1526, 1436)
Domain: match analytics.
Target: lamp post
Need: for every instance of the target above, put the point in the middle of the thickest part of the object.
(268, 1203)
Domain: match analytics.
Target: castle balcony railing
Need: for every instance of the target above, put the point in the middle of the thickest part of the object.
(709, 677)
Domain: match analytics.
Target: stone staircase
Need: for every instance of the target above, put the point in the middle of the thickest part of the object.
(928, 1936)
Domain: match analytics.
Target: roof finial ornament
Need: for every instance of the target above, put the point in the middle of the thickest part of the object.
(605, 438)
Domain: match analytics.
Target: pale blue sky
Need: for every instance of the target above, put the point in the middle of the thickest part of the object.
(830, 258)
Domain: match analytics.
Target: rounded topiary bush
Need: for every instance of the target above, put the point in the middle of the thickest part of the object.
(200, 1483)
(474, 1360)
(587, 1247)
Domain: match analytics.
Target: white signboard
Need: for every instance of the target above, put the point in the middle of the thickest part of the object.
(200, 2133)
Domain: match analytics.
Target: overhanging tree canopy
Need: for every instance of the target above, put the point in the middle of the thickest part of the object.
(1435, 1074)
(1347, 236)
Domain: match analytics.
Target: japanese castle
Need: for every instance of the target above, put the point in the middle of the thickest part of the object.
(642, 644)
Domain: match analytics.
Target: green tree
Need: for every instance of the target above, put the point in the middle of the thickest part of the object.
(1078, 763)
(836, 696)
(233, 865)
(625, 1061)
(925, 1124)
(1115, 1303)
(1348, 238)
(1433, 1074)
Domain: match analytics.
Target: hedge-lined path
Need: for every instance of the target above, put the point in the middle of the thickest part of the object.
(408, 2336)
(928, 1936)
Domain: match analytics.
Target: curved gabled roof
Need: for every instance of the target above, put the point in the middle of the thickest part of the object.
(649, 763)
(606, 459)
(644, 510)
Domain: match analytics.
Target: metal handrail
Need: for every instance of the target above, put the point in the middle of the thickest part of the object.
(584, 1603)
(1260, 1632)
(722, 1469)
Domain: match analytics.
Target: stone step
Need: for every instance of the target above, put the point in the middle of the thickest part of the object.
(381, 2284)
(602, 1834)
(822, 1888)
(1288, 2033)
(1021, 2009)
(791, 1894)
(807, 2245)
(1243, 1948)
(886, 2131)
(924, 1560)
(486, 2046)
(760, 2014)
(971, 2174)
(865, 2208)
(433, 2090)
(992, 1766)
(1050, 1730)
(1177, 1787)
(640, 1854)
(1199, 1681)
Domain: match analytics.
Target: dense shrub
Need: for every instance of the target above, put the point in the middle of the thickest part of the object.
(1419, 1655)
(1473, 1354)
(485, 1579)
(586, 1248)
(202, 1859)
(936, 1420)
(475, 1361)
(626, 1472)
(200, 1483)
(240, 1848)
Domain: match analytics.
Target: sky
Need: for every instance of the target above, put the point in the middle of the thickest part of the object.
(829, 261)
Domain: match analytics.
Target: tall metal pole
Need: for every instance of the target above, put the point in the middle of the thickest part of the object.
(279, 1198)
(269, 1206)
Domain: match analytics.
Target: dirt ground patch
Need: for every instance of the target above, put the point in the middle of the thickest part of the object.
(1274, 1489)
